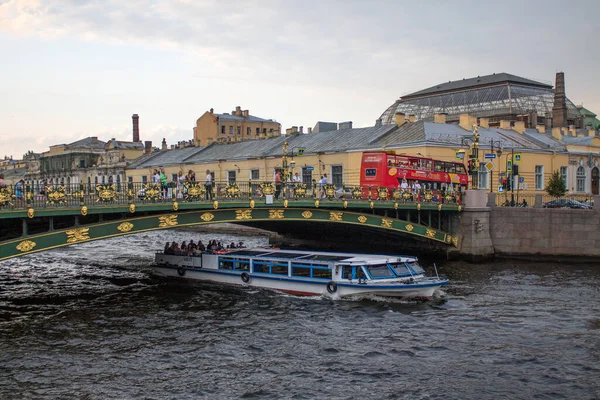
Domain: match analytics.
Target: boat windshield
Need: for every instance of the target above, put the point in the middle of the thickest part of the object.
(380, 271)
(407, 268)
(417, 269)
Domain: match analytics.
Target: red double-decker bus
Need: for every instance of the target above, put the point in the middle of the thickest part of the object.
(387, 169)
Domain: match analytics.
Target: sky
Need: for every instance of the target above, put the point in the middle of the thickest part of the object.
(72, 69)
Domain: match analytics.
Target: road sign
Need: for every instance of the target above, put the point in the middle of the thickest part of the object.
(490, 155)
(521, 179)
(500, 189)
(460, 154)
(509, 166)
(489, 166)
(517, 157)
(310, 168)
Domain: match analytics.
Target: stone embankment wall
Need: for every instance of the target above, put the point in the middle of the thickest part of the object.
(548, 232)
(487, 231)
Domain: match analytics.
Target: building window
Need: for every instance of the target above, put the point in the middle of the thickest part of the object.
(257, 131)
(336, 175)
(130, 179)
(248, 131)
(255, 174)
(239, 130)
(174, 177)
(223, 129)
(483, 177)
(307, 177)
(580, 179)
(144, 179)
(82, 163)
(563, 174)
(539, 177)
(231, 129)
(231, 176)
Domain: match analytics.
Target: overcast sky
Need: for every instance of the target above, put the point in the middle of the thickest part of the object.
(72, 69)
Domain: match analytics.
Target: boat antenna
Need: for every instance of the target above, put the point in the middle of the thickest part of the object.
(436, 273)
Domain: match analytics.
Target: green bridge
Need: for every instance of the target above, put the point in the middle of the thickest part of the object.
(39, 219)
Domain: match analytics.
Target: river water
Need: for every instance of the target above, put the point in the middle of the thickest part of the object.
(90, 322)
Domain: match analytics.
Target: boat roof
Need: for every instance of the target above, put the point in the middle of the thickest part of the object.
(300, 255)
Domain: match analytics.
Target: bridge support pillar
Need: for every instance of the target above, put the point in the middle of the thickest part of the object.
(50, 224)
(77, 220)
(476, 243)
(24, 227)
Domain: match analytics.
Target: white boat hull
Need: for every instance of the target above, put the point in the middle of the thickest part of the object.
(305, 287)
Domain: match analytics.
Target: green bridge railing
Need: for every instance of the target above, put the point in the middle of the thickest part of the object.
(25, 196)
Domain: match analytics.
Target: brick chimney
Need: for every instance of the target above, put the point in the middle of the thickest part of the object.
(541, 128)
(439, 118)
(412, 118)
(504, 124)
(519, 127)
(309, 130)
(136, 127)
(467, 121)
(164, 145)
(400, 119)
(245, 113)
(238, 111)
(148, 146)
(484, 122)
(559, 110)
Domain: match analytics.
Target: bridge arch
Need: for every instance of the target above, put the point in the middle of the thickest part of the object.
(104, 230)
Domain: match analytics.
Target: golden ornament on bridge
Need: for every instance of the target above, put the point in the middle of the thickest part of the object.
(243, 214)
(30, 212)
(276, 214)
(175, 206)
(335, 216)
(84, 211)
(132, 208)
(125, 227)
(386, 222)
(307, 214)
(77, 235)
(207, 217)
(362, 219)
(25, 246)
(166, 221)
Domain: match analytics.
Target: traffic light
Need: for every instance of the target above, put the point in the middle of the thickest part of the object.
(504, 184)
(470, 167)
(508, 186)
(515, 169)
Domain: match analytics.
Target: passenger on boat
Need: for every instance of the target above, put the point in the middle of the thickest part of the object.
(241, 245)
(167, 248)
(201, 246)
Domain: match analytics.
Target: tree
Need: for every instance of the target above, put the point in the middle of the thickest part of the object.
(556, 185)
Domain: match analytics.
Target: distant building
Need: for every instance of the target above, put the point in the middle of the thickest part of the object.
(589, 118)
(86, 161)
(496, 97)
(324, 127)
(235, 127)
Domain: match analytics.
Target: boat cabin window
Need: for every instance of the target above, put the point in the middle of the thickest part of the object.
(380, 271)
(416, 268)
(352, 272)
(309, 271)
(238, 265)
(270, 267)
(401, 269)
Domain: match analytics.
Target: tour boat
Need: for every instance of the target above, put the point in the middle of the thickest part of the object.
(307, 273)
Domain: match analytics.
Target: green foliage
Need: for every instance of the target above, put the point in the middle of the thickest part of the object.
(556, 185)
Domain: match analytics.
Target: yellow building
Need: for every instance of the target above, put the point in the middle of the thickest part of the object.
(536, 154)
(235, 127)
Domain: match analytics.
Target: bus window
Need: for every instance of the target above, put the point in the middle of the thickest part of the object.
(450, 168)
(460, 169)
(370, 171)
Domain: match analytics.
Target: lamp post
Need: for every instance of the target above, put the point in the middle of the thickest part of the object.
(499, 152)
(473, 161)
